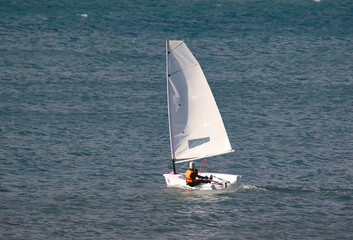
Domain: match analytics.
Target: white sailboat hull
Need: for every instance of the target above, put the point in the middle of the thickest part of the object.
(219, 181)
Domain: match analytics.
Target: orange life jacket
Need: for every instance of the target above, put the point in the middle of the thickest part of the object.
(188, 177)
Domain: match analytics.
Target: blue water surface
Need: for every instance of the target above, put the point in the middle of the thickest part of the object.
(84, 131)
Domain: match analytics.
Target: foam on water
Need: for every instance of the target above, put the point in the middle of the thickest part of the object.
(82, 14)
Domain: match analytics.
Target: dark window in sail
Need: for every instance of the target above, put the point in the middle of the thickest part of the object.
(197, 142)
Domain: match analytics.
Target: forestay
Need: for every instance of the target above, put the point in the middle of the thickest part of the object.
(195, 124)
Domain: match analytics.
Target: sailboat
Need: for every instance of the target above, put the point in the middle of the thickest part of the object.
(196, 127)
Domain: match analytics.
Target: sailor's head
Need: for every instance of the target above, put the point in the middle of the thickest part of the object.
(192, 165)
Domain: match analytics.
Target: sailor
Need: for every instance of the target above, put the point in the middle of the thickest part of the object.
(191, 175)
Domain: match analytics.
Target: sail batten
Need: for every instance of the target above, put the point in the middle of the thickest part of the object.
(171, 74)
(179, 42)
(195, 125)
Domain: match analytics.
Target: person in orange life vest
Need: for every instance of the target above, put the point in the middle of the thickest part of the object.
(191, 175)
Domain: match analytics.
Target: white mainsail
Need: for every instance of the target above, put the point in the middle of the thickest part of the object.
(195, 124)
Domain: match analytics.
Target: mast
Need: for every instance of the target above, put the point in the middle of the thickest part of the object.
(170, 128)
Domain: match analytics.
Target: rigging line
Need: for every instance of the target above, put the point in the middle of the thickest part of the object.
(184, 69)
(201, 166)
(205, 165)
(176, 46)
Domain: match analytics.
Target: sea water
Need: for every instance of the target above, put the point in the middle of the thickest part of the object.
(84, 132)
